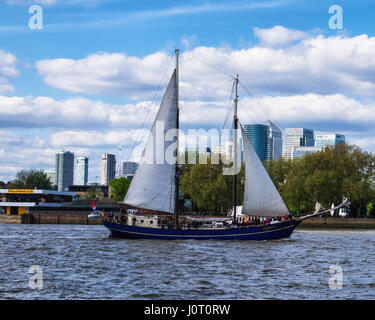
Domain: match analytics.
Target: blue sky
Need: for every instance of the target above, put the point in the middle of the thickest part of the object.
(89, 76)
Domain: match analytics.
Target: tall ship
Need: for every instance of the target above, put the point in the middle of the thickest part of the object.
(152, 200)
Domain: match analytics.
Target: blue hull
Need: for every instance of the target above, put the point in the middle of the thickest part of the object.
(269, 232)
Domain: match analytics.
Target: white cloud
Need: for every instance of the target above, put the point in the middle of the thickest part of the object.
(311, 108)
(45, 112)
(106, 73)
(7, 69)
(278, 36)
(93, 138)
(322, 65)
(189, 41)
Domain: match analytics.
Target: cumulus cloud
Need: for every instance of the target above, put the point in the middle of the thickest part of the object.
(336, 109)
(189, 41)
(92, 138)
(106, 73)
(7, 69)
(321, 65)
(45, 112)
(278, 36)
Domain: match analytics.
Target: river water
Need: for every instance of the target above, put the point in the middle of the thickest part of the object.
(82, 262)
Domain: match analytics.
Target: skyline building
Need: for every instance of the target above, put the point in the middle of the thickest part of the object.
(298, 152)
(82, 171)
(258, 135)
(108, 168)
(323, 140)
(275, 137)
(64, 168)
(297, 137)
(51, 175)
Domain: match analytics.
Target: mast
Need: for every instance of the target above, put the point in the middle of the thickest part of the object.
(235, 138)
(177, 127)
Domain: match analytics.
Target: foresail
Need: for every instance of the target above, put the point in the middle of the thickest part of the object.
(261, 197)
(153, 185)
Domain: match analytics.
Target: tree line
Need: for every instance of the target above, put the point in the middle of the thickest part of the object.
(325, 177)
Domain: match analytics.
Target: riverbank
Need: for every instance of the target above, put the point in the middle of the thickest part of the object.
(50, 218)
(82, 219)
(338, 223)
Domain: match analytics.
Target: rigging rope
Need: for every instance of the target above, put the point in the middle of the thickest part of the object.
(262, 108)
(149, 112)
(213, 68)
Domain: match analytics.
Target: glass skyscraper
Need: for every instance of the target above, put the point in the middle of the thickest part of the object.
(82, 171)
(258, 134)
(267, 140)
(322, 140)
(297, 137)
(108, 168)
(64, 168)
(275, 137)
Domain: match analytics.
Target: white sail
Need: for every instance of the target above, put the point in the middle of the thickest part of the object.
(261, 197)
(153, 185)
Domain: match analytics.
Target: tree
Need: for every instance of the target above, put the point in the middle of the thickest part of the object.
(32, 179)
(118, 188)
(370, 209)
(278, 171)
(326, 177)
(209, 189)
(359, 186)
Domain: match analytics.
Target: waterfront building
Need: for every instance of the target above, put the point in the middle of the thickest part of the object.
(323, 140)
(297, 137)
(258, 135)
(21, 201)
(108, 168)
(82, 171)
(51, 175)
(64, 168)
(298, 152)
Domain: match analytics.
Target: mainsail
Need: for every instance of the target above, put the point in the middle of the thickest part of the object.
(153, 185)
(261, 197)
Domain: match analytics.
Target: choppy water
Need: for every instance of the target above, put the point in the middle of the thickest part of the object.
(82, 262)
